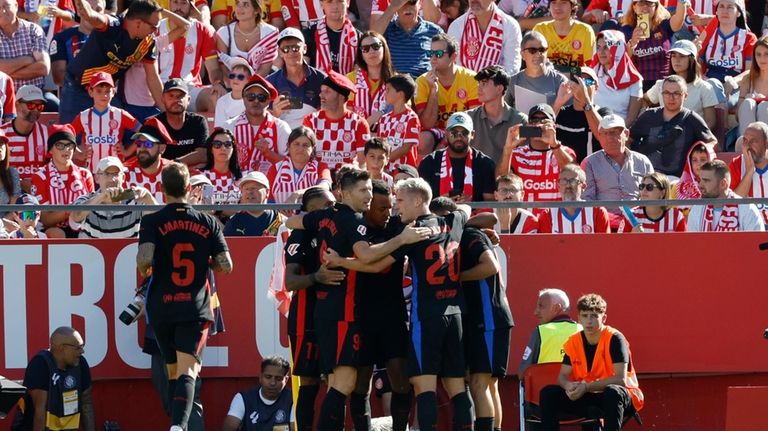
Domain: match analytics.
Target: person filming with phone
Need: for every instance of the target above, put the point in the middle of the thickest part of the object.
(110, 176)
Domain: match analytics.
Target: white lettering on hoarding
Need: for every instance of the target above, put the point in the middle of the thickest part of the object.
(267, 317)
(14, 260)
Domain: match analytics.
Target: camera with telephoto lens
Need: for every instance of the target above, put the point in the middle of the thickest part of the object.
(132, 310)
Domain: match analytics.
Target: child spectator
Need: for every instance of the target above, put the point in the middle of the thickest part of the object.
(400, 126)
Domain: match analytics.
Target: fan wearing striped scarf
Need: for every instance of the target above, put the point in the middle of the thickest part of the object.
(335, 38)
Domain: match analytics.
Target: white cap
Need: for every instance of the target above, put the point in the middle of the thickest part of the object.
(28, 93)
(612, 121)
(196, 180)
(460, 119)
(290, 32)
(255, 176)
(233, 62)
(109, 161)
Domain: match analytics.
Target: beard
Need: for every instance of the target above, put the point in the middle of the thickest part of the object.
(148, 159)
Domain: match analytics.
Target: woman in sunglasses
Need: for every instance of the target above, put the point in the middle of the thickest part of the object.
(373, 67)
(300, 170)
(654, 218)
(231, 104)
(222, 166)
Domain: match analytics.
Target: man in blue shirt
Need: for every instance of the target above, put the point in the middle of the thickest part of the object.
(254, 189)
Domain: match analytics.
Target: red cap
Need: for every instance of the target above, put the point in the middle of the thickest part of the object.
(101, 78)
(60, 132)
(257, 81)
(155, 131)
(339, 83)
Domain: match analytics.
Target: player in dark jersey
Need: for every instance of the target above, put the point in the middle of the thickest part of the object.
(302, 273)
(487, 320)
(343, 229)
(175, 245)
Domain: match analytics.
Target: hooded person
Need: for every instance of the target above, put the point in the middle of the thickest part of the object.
(620, 84)
(688, 186)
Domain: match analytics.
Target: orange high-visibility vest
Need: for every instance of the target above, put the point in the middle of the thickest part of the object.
(602, 364)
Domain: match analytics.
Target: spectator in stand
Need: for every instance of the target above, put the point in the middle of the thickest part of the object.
(144, 170)
(60, 181)
(249, 37)
(101, 128)
(749, 170)
(606, 380)
(407, 34)
(382, 11)
(651, 54)
(188, 130)
(297, 82)
(400, 126)
(56, 15)
(110, 176)
(459, 172)
(620, 85)
(376, 153)
(23, 224)
(67, 43)
(262, 139)
(7, 98)
(341, 133)
(223, 12)
(614, 173)
(538, 75)
(528, 13)
(727, 44)
(606, 14)
(555, 326)
(222, 166)
(302, 14)
(10, 184)
(753, 88)
(254, 189)
(300, 170)
(373, 67)
(509, 188)
(114, 46)
(571, 42)
(332, 41)
(494, 117)
(451, 10)
(24, 51)
(231, 104)
(572, 182)
(688, 186)
(576, 121)
(666, 134)
(701, 96)
(715, 183)
(183, 57)
(655, 218)
(27, 137)
(536, 160)
(267, 406)
(446, 89)
(487, 36)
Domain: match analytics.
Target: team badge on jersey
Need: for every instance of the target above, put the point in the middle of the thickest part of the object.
(586, 228)
(347, 137)
(576, 44)
(400, 128)
(189, 49)
(362, 230)
(473, 48)
(280, 416)
(461, 94)
(113, 124)
(69, 382)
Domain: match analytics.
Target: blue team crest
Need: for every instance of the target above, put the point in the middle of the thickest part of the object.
(280, 416)
(69, 382)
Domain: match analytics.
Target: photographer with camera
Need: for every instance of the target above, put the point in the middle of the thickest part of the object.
(110, 175)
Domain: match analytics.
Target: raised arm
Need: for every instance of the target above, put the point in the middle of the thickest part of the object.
(369, 253)
(97, 19)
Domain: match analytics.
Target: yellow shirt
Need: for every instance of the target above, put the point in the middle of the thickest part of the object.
(574, 50)
(373, 84)
(460, 96)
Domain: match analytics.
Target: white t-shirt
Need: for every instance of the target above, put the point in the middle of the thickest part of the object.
(617, 100)
(700, 95)
(237, 407)
(227, 108)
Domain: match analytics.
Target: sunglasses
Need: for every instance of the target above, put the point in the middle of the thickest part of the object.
(290, 48)
(152, 25)
(28, 215)
(253, 96)
(374, 46)
(145, 143)
(35, 106)
(540, 50)
(537, 120)
(219, 144)
(457, 133)
(238, 76)
(437, 53)
(649, 186)
(64, 145)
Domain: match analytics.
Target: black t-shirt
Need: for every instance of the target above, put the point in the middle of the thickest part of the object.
(483, 173)
(618, 348)
(192, 135)
(573, 131)
(301, 249)
(334, 40)
(184, 240)
(38, 376)
(380, 296)
(339, 228)
(435, 267)
(487, 306)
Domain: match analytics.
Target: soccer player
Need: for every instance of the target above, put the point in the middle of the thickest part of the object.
(175, 245)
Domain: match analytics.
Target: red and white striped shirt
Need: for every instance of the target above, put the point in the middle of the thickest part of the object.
(136, 177)
(103, 131)
(759, 187)
(539, 171)
(274, 130)
(225, 188)
(301, 13)
(338, 141)
(673, 220)
(585, 220)
(285, 179)
(184, 57)
(7, 97)
(525, 222)
(61, 188)
(401, 129)
(27, 152)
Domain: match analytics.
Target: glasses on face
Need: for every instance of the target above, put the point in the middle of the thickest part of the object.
(649, 186)
(290, 48)
(109, 174)
(534, 50)
(238, 76)
(144, 143)
(152, 25)
(570, 181)
(674, 94)
(507, 191)
(459, 133)
(374, 46)
(537, 120)
(35, 106)
(28, 215)
(254, 96)
(78, 347)
(225, 144)
(62, 145)
(437, 53)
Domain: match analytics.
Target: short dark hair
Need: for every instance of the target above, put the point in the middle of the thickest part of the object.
(719, 168)
(351, 177)
(376, 143)
(234, 159)
(403, 84)
(142, 9)
(311, 194)
(442, 204)
(277, 361)
(592, 302)
(452, 45)
(380, 187)
(175, 179)
(494, 73)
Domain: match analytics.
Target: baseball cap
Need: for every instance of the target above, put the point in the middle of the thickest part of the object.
(196, 180)
(233, 62)
(101, 78)
(108, 162)
(685, 47)
(175, 84)
(155, 131)
(586, 70)
(611, 121)
(290, 32)
(460, 119)
(339, 83)
(28, 93)
(255, 176)
(544, 109)
(257, 81)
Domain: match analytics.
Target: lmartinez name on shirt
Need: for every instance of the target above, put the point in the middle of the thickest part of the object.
(187, 225)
